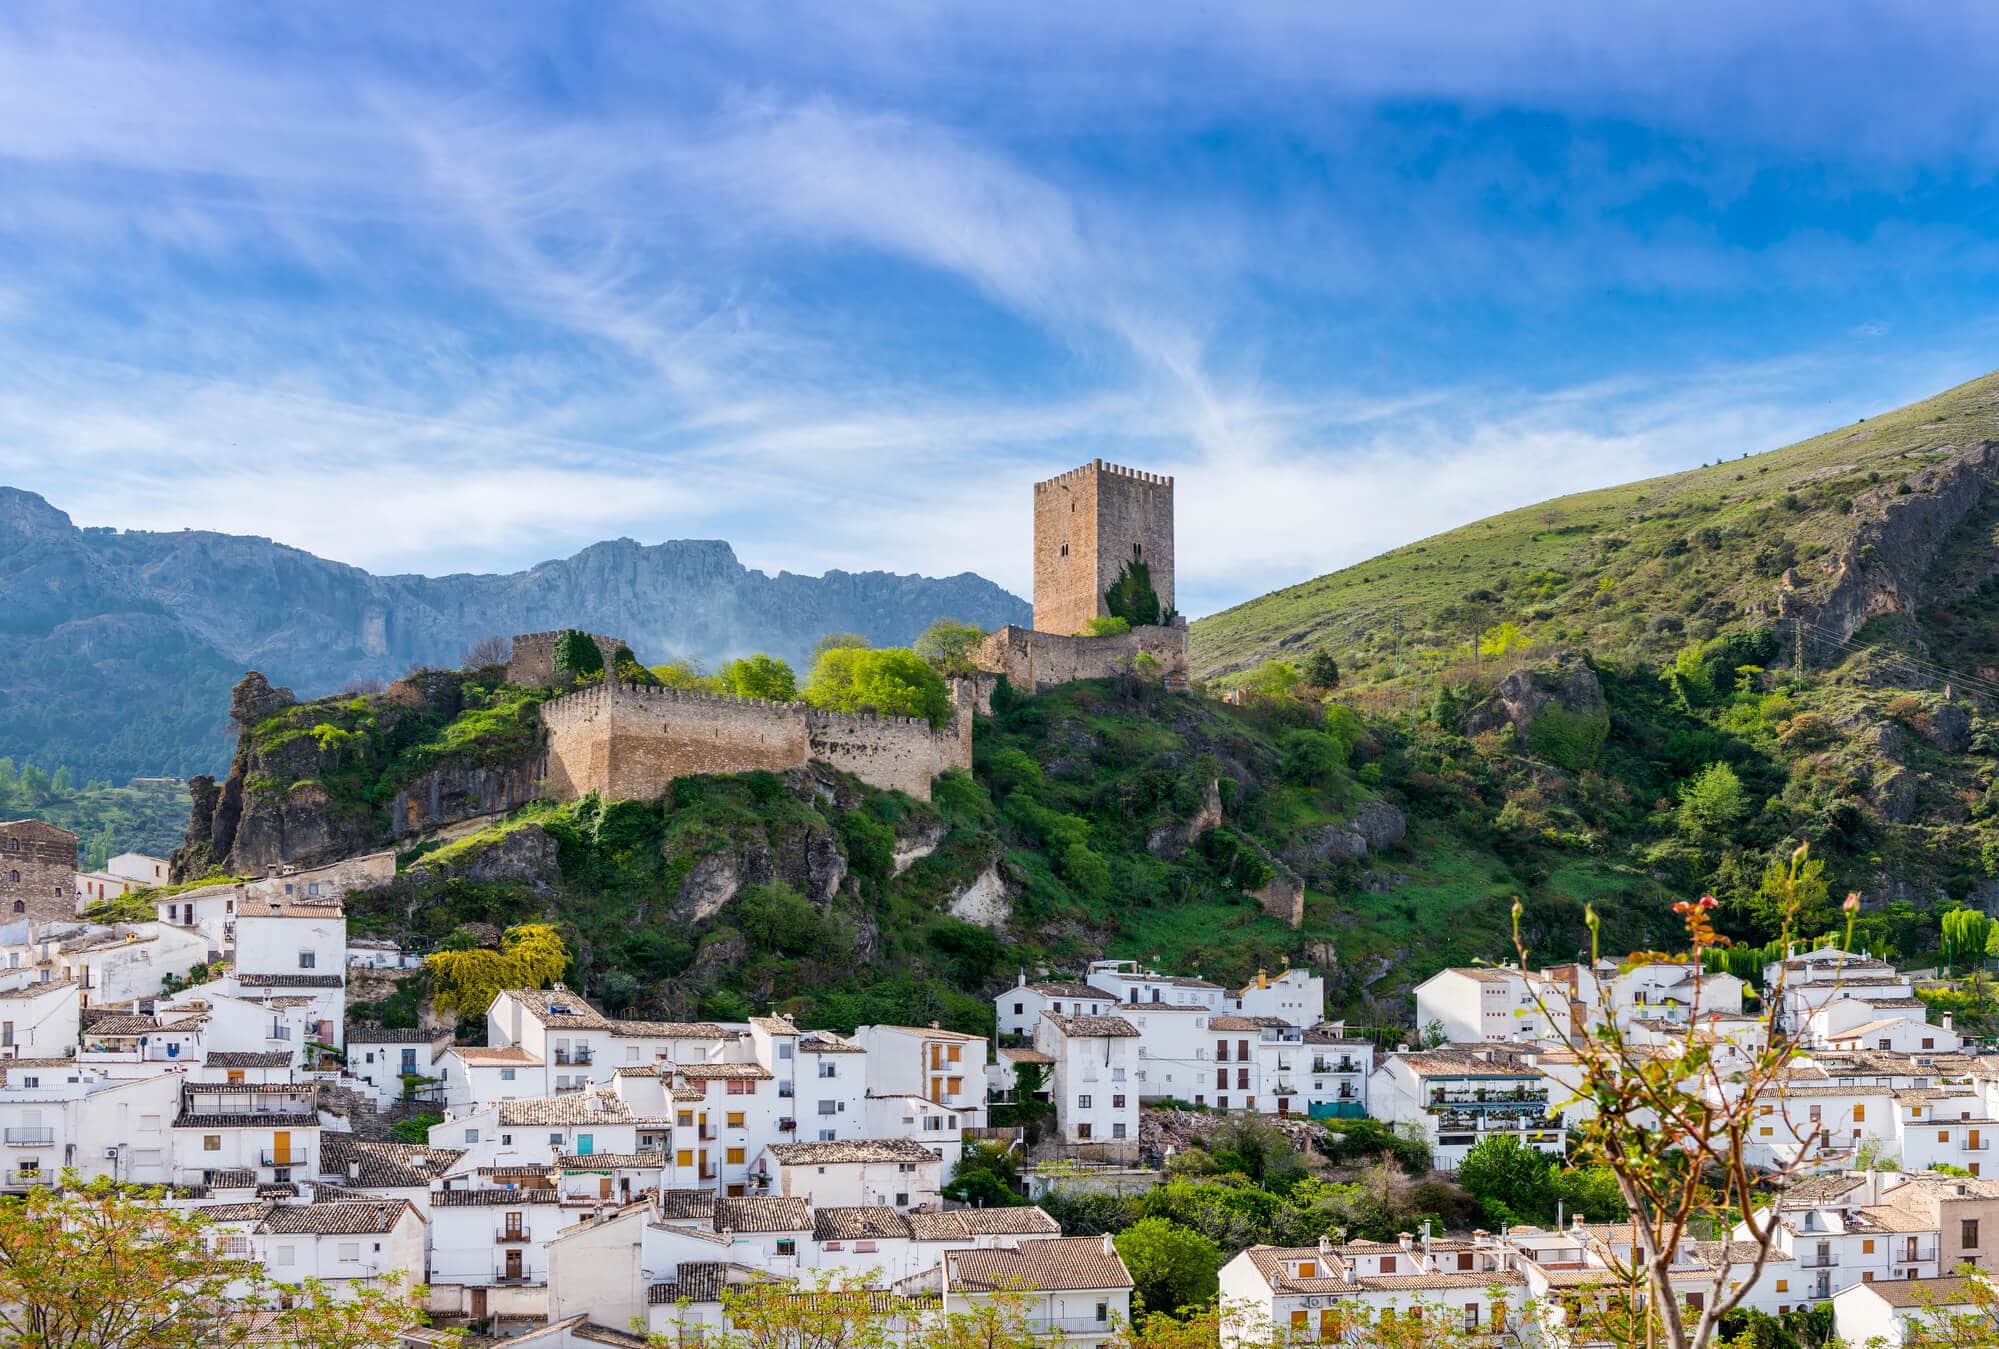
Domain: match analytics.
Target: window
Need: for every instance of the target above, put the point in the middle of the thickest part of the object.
(741, 1086)
(828, 1069)
(733, 1156)
(211, 1142)
(1859, 1112)
(308, 959)
(506, 1074)
(1117, 1102)
(1298, 1322)
(471, 1135)
(1308, 1269)
(1083, 1102)
(1019, 1009)
(1867, 1246)
(826, 1107)
(684, 1157)
(1929, 1042)
(1387, 1264)
(555, 1138)
(350, 1251)
(735, 1118)
(1117, 1131)
(1967, 1233)
(902, 1199)
(685, 1119)
(787, 1246)
(784, 1049)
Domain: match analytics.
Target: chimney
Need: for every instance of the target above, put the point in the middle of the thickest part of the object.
(354, 1170)
(1576, 1223)
(934, 1026)
(1407, 1240)
(1949, 1020)
(1109, 1249)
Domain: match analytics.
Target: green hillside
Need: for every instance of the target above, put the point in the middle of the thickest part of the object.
(1630, 572)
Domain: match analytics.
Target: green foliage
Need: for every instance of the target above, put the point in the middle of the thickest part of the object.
(1350, 1141)
(776, 918)
(986, 1177)
(577, 656)
(1275, 679)
(1322, 671)
(1313, 758)
(531, 955)
(416, 1129)
(1102, 626)
(1967, 935)
(1569, 738)
(1712, 803)
(892, 682)
(760, 676)
(1131, 596)
(949, 646)
(1514, 1183)
(1171, 1267)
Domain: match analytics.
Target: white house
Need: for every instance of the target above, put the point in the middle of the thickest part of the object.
(343, 1243)
(944, 1066)
(832, 1087)
(1295, 997)
(57, 1114)
(1017, 1010)
(847, 1174)
(1174, 1046)
(1474, 1003)
(1327, 1292)
(1094, 1079)
(1454, 1097)
(489, 1250)
(40, 1020)
(1076, 1288)
(269, 1129)
(379, 1059)
(1130, 983)
(1948, 1310)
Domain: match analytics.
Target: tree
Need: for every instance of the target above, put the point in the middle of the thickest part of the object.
(1794, 893)
(1103, 625)
(1273, 679)
(1711, 802)
(834, 641)
(986, 1176)
(761, 676)
(949, 646)
(531, 955)
(577, 656)
(1966, 934)
(1322, 671)
(491, 649)
(682, 673)
(1132, 598)
(1675, 1124)
(1171, 1267)
(98, 1265)
(1511, 1181)
(892, 682)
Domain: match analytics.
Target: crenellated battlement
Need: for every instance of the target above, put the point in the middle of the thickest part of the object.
(1113, 470)
(532, 661)
(625, 740)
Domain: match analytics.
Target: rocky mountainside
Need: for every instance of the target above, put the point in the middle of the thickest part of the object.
(118, 649)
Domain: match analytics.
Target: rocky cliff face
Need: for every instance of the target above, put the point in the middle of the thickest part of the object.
(119, 648)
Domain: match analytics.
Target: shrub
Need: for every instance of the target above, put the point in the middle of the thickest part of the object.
(1712, 802)
(892, 682)
(1131, 596)
(1113, 626)
(949, 646)
(1311, 758)
(577, 656)
(761, 676)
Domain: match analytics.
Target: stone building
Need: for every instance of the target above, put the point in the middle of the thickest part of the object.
(37, 870)
(532, 662)
(1089, 525)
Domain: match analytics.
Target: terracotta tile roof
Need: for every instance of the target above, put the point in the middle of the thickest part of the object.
(701, 1072)
(775, 1025)
(863, 1223)
(1061, 988)
(250, 905)
(383, 1165)
(1923, 1293)
(826, 1042)
(248, 1120)
(1820, 1190)
(580, 1107)
(540, 1194)
(694, 1281)
(558, 1007)
(763, 1213)
(511, 1056)
(356, 1033)
(1784, 1090)
(342, 1219)
(685, 1204)
(1024, 1056)
(852, 1150)
(1093, 1027)
(1052, 1263)
(1248, 1023)
(248, 1058)
(123, 1024)
(962, 1224)
(1894, 1218)
(290, 980)
(252, 1212)
(243, 1178)
(670, 1030)
(932, 1032)
(610, 1161)
(1739, 1253)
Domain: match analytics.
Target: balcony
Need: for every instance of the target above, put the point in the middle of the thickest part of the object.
(511, 1236)
(282, 1157)
(1075, 1325)
(1335, 1066)
(16, 1179)
(1920, 1255)
(31, 1138)
(1482, 1098)
(785, 1126)
(1822, 1260)
(573, 1058)
(517, 1277)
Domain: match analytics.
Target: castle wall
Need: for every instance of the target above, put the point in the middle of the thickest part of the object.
(1033, 660)
(1088, 523)
(532, 664)
(626, 742)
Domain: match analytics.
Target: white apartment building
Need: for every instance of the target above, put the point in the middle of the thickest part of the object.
(40, 1020)
(1295, 997)
(489, 1250)
(1130, 984)
(1328, 1292)
(1455, 1096)
(1915, 1311)
(379, 1059)
(1075, 1290)
(832, 1087)
(1475, 1003)
(896, 1173)
(1094, 1076)
(948, 1067)
(269, 1130)
(57, 1114)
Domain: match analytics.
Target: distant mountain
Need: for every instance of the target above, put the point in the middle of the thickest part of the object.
(118, 648)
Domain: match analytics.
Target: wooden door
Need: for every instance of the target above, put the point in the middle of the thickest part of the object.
(513, 1262)
(281, 1147)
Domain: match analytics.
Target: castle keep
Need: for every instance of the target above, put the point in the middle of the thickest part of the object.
(37, 870)
(1089, 524)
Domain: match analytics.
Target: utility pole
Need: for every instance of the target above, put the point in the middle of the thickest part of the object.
(1798, 647)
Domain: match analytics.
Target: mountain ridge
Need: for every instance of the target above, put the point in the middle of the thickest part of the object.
(166, 621)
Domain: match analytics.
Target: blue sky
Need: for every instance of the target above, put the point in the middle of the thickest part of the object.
(451, 288)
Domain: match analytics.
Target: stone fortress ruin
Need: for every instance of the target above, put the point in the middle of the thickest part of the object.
(1091, 525)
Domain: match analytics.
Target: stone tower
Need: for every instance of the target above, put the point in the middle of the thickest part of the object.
(1088, 523)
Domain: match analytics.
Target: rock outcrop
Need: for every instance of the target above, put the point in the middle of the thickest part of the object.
(1557, 708)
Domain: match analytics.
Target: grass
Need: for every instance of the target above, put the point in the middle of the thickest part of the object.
(1598, 568)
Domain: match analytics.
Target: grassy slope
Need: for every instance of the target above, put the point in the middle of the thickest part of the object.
(1594, 569)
